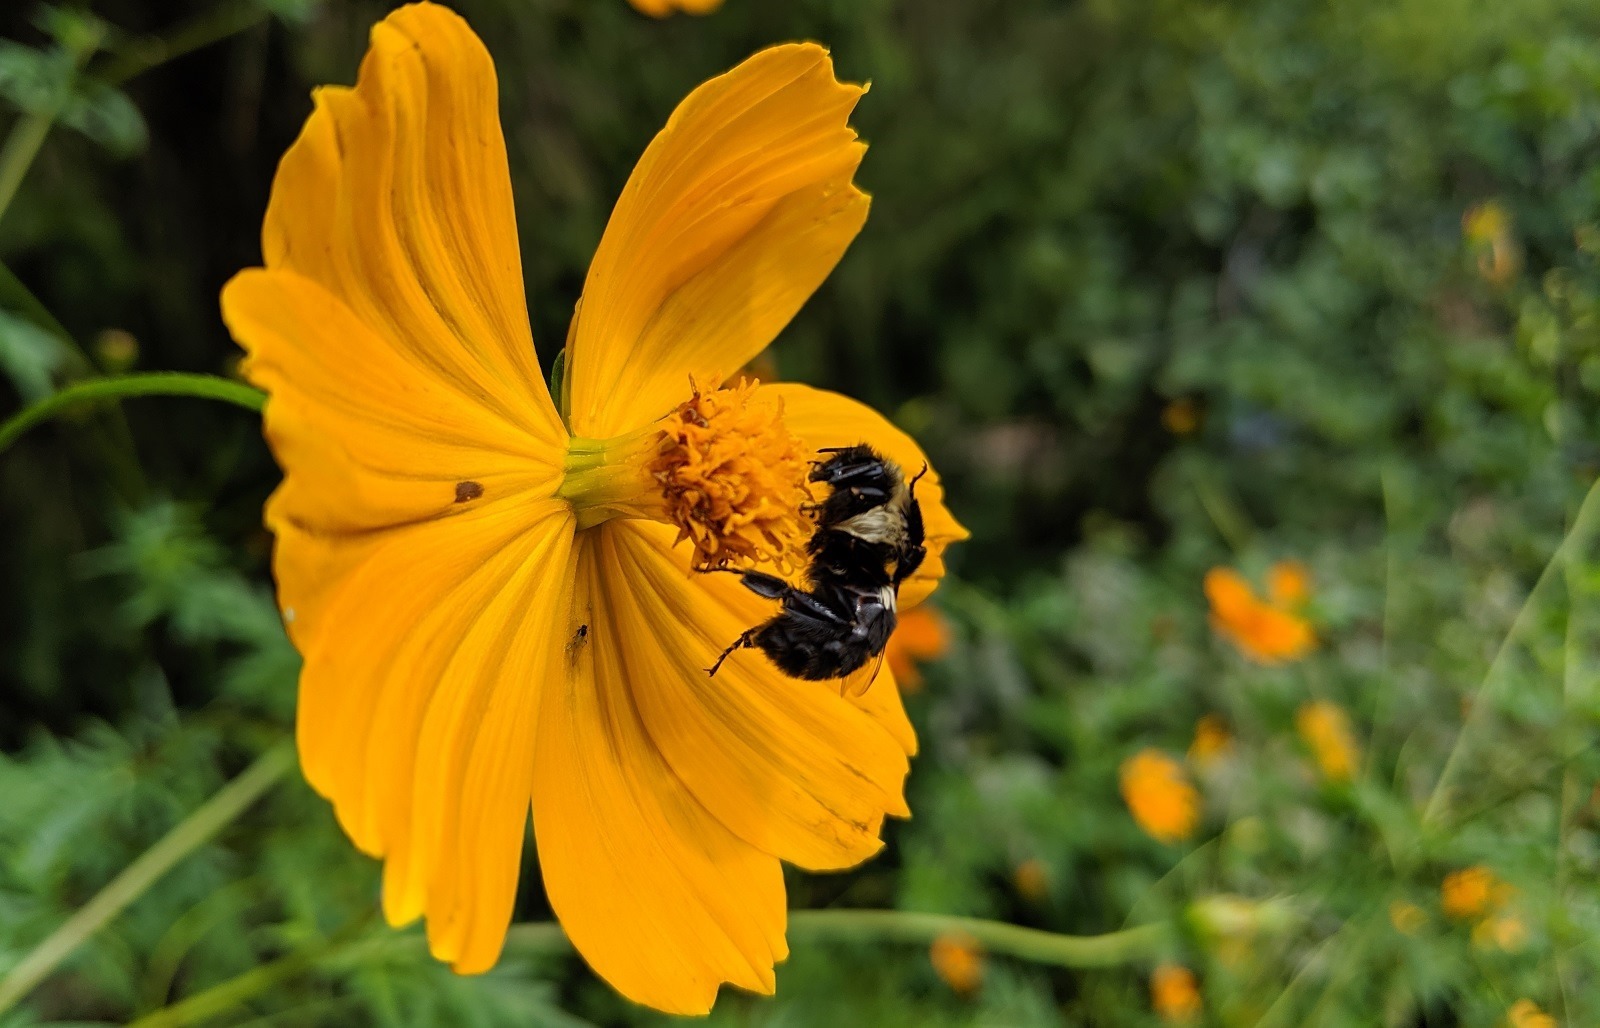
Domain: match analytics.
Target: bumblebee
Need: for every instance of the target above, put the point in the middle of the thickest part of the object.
(868, 539)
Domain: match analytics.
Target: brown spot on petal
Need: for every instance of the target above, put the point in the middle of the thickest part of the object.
(468, 491)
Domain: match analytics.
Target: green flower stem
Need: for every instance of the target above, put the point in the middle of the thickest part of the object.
(1579, 539)
(187, 836)
(1145, 942)
(117, 387)
(213, 26)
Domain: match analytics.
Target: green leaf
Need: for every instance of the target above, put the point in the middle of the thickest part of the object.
(30, 356)
(291, 12)
(106, 115)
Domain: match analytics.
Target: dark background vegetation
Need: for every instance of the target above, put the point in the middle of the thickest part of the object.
(1084, 212)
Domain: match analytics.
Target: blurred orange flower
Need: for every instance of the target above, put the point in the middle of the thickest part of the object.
(1468, 892)
(1326, 729)
(662, 8)
(1174, 993)
(922, 635)
(1181, 416)
(1032, 879)
(1212, 741)
(1160, 796)
(958, 959)
(1525, 1013)
(1265, 632)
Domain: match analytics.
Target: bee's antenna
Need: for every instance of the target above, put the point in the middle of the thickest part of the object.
(911, 486)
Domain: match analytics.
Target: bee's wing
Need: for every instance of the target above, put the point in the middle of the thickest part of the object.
(857, 682)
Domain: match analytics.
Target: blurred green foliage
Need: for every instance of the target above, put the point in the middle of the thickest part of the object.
(1161, 286)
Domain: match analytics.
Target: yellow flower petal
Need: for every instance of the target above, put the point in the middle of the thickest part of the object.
(397, 200)
(822, 419)
(415, 525)
(737, 211)
(661, 899)
(416, 712)
(789, 766)
(369, 439)
(884, 703)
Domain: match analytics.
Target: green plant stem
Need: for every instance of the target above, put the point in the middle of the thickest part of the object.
(1226, 515)
(187, 836)
(1578, 538)
(200, 31)
(220, 999)
(117, 387)
(114, 438)
(1144, 942)
(29, 133)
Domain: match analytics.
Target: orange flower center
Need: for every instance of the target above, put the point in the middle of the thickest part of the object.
(722, 468)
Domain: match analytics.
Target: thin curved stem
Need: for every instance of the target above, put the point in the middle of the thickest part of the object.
(865, 926)
(1109, 950)
(117, 387)
(187, 836)
(1579, 537)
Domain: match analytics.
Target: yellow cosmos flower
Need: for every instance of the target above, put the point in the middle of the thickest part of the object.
(958, 960)
(1160, 796)
(492, 594)
(662, 8)
(1265, 632)
(921, 636)
(1174, 994)
(1326, 730)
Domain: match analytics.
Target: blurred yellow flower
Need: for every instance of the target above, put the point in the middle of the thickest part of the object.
(1326, 730)
(1525, 1013)
(1407, 917)
(1160, 796)
(492, 593)
(1487, 228)
(1264, 632)
(958, 959)
(1174, 994)
(1032, 879)
(1506, 932)
(1468, 892)
(1181, 416)
(1212, 742)
(662, 8)
(922, 635)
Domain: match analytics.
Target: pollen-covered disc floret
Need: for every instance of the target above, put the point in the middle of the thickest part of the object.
(733, 478)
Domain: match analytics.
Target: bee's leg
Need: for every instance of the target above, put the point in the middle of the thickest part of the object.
(769, 586)
(915, 552)
(746, 639)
